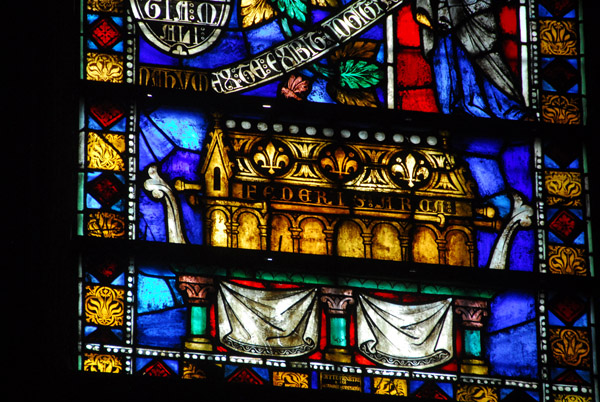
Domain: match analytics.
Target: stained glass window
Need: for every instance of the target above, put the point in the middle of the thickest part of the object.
(361, 196)
(510, 60)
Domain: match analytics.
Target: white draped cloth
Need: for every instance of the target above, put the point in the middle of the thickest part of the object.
(282, 323)
(405, 336)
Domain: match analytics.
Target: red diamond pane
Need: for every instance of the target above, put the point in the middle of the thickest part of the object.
(558, 7)
(106, 189)
(106, 113)
(570, 377)
(564, 224)
(158, 369)
(567, 308)
(105, 33)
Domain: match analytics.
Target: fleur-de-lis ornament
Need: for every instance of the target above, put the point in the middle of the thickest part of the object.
(410, 169)
(339, 163)
(271, 158)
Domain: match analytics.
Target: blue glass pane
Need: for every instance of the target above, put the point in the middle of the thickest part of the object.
(185, 128)
(485, 146)
(153, 294)
(152, 220)
(447, 388)
(513, 351)
(509, 309)
(487, 175)
(265, 37)
(517, 164)
(153, 140)
(319, 92)
(554, 320)
(119, 281)
(485, 244)
(193, 230)
(503, 203)
(367, 385)
(149, 54)
(231, 47)
(91, 202)
(152, 331)
(182, 164)
(268, 90)
(522, 254)
(374, 33)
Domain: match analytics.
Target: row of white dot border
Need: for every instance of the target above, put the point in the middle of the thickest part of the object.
(293, 129)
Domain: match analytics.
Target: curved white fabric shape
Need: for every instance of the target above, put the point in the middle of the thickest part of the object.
(405, 336)
(281, 323)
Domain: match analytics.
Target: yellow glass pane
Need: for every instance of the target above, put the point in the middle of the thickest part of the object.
(386, 243)
(425, 248)
(104, 151)
(248, 232)
(349, 240)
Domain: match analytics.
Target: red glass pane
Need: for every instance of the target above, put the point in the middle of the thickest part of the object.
(213, 321)
(511, 51)
(250, 284)
(158, 369)
(408, 29)
(360, 359)
(508, 20)
(418, 100)
(352, 331)
(105, 32)
(323, 334)
(106, 113)
(413, 69)
(285, 286)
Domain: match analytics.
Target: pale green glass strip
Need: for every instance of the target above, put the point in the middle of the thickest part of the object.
(337, 332)
(198, 320)
(473, 343)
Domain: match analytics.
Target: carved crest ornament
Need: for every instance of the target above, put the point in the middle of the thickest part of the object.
(181, 28)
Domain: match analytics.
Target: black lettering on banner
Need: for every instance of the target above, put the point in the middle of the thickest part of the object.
(305, 48)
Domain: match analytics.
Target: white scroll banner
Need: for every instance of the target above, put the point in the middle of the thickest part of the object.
(282, 323)
(405, 336)
(307, 47)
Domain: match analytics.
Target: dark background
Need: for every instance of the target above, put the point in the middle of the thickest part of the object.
(40, 284)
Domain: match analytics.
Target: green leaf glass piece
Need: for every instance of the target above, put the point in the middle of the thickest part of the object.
(357, 74)
(295, 9)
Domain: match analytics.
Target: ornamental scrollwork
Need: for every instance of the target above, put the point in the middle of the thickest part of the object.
(106, 225)
(561, 109)
(190, 371)
(104, 67)
(289, 379)
(476, 393)
(558, 37)
(390, 386)
(102, 363)
(566, 260)
(104, 305)
(563, 188)
(571, 398)
(570, 347)
(111, 6)
(104, 151)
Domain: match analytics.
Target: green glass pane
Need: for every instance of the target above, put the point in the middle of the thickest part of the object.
(337, 334)
(473, 343)
(198, 320)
